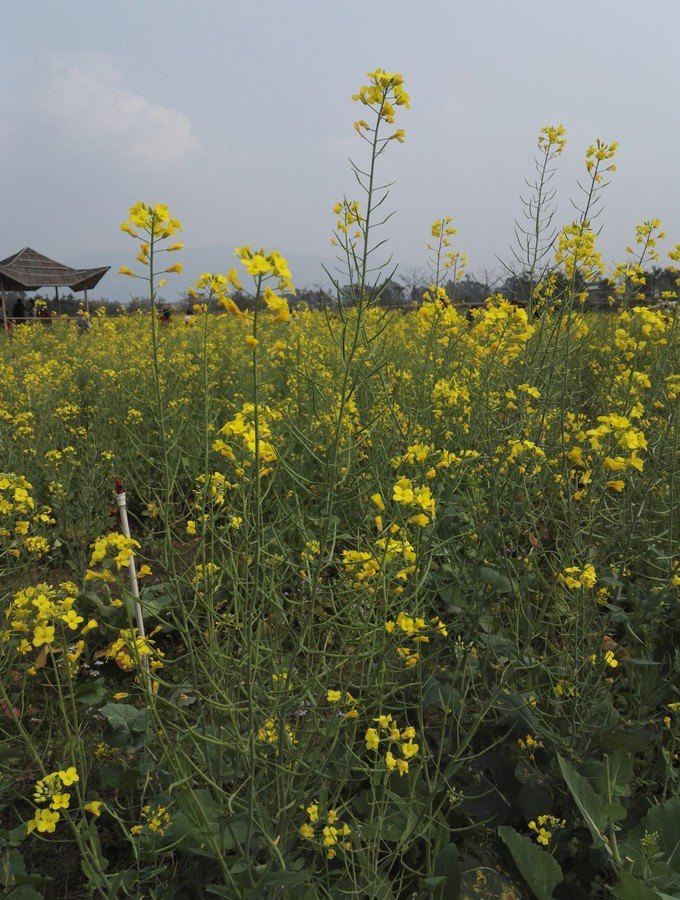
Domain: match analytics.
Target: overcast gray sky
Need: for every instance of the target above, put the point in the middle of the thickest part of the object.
(239, 116)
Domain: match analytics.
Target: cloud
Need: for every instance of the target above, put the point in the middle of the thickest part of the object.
(88, 101)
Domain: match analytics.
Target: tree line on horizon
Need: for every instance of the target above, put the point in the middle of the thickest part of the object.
(408, 292)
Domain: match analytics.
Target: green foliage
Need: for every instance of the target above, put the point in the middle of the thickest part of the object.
(540, 871)
(408, 583)
(590, 803)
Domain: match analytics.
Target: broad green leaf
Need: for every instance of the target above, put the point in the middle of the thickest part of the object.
(629, 888)
(276, 879)
(12, 864)
(24, 892)
(125, 718)
(665, 821)
(495, 885)
(589, 802)
(90, 692)
(499, 582)
(433, 881)
(620, 775)
(195, 828)
(631, 739)
(538, 868)
(447, 866)
(614, 812)
(659, 861)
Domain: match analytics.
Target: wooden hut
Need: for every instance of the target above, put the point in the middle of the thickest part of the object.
(28, 270)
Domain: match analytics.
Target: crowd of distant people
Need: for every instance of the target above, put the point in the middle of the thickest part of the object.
(165, 317)
(35, 308)
(28, 311)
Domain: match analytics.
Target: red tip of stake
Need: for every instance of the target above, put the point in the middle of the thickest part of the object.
(118, 485)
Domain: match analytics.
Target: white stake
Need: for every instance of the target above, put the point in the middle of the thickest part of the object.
(132, 569)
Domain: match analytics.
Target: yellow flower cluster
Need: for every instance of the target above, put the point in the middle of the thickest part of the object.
(332, 832)
(349, 214)
(450, 393)
(575, 577)
(153, 219)
(344, 697)
(625, 277)
(409, 495)
(602, 445)
(311, 550)
(552, 139)
(443, 229)
(500, 329)
(269, 733)
(130, 650)
(387, 733)
(599, 153)
(217, 486)
(526, 394)
(15, 495)
(212, 285)
(456, 260)
(277, 306)
(610, 659)
(640, 328)
(384, 91)
(520, 449)
(544, 291)
(282, 679)
(618, 433)
(154, 819)
(648, 234)
(262, 265)
(414, 453)
(156, 224)
(393, 549)
(544, 826)
(673, 387)
(17, 517)
(418, 631)
(443, 259)
(110, 550)
(438, 315)
(50, 790)
(577, 254)
(241, 434)
(363, 566)
(44, 615)
(204, 572)
(529, 745)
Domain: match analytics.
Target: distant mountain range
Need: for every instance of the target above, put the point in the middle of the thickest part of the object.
(307, 271)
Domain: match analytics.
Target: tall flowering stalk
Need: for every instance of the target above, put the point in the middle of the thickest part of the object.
(629, 278)
(353, 232)
(534, 233)
(575, 251)
(251, 431)
(444, 261)
(154, 227)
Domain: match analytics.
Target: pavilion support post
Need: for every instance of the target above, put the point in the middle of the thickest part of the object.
(56, 297)
(4, 308)
(87, 303)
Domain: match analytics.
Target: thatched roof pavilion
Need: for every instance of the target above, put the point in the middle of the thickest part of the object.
(29, 270)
